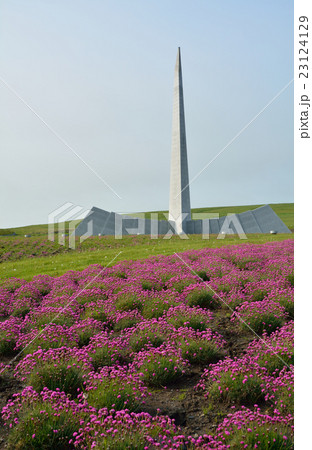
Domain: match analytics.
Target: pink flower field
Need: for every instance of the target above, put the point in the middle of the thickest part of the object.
(189, 351)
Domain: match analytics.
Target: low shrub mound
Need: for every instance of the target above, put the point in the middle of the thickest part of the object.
(151, 285)
(9, 333)
(291, 279)
(275, 352)
(127, 320)
(106, 350)
(54, 432)
(178, 284)
(85, 329)
(51, 337)
(238, 381)
(121, 430)
(114, 388)
(61, 369)
(66, 378)
(200, 352)
(263, 316)
(160, 370)
(251, 429)
(12, 284)
(104, 356)
(191, 317)
(128, 302)
(202, 297)
(156, 307)
(239, 389)
(202, 274)
(43, 421)
(112, 394)
(145, 339)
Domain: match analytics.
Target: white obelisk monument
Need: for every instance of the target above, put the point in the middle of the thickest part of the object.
(179, 204)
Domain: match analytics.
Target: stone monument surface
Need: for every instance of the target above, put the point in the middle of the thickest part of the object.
(179, 203)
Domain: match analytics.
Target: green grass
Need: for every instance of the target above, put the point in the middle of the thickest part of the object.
(34, 230)
(107, 250)
(58, 264)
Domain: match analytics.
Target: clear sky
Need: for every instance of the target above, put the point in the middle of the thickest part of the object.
(100, 73)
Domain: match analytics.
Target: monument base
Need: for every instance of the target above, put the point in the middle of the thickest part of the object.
(258, 221)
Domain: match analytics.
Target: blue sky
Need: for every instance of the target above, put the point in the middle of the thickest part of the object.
(100, 73)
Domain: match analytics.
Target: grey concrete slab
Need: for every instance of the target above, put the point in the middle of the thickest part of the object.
(214, 226)
(164, 227)
(249, 222)
(230, 224)
(268, 220)
(93, 223)
(109, 226)
(198, 226)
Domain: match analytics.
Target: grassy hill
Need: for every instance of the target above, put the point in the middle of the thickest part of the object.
(33, 230)
(25, 257)
(284, 210)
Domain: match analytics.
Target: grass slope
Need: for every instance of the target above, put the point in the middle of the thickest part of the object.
(24, 260)
(34, 230)
(130, 248)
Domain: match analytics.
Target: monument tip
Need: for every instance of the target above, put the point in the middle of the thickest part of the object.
(178, 61)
